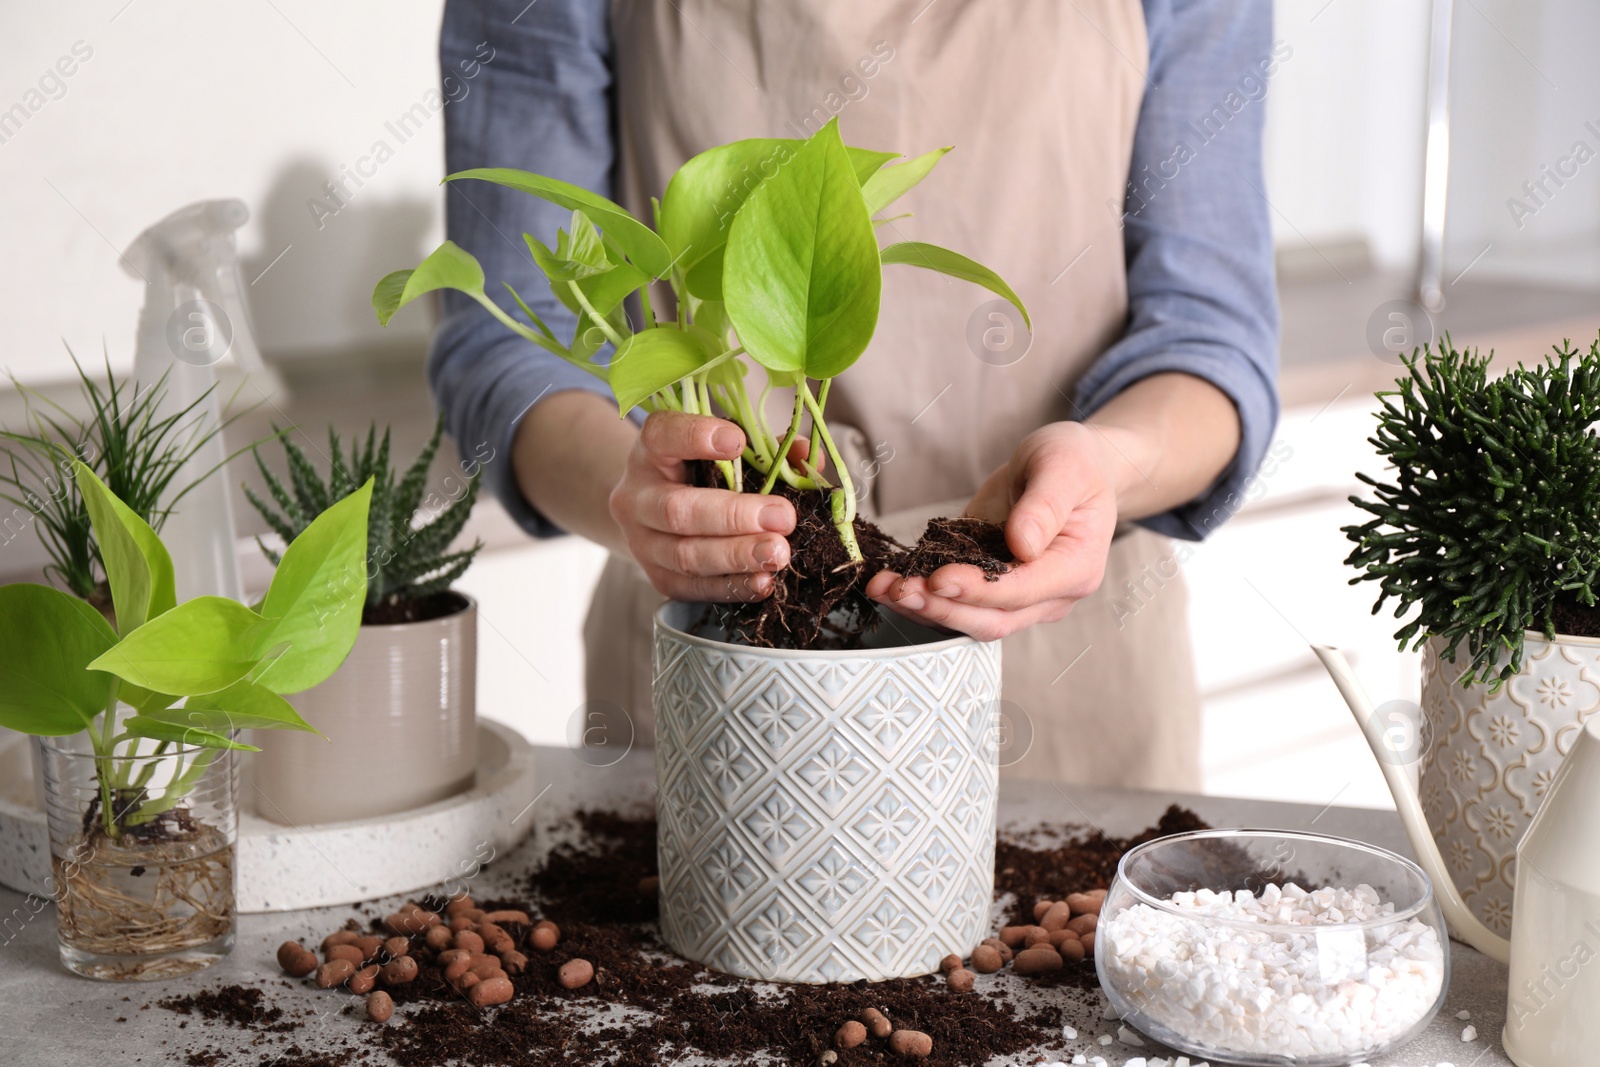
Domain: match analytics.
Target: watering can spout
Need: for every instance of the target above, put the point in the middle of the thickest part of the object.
(1462, 921)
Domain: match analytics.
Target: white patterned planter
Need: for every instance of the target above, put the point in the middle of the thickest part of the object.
(1489, 759)
(824, 816)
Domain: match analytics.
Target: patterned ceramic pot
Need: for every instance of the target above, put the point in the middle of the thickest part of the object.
(1489, 758)
(825, 816)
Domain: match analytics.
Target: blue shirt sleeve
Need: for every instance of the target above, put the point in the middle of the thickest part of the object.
(1202, 297)
(539, 101)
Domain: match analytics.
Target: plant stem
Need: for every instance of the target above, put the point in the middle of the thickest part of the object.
(844, 497)
(782, 459)
(644, 305)
(598, 319)
(104, 746)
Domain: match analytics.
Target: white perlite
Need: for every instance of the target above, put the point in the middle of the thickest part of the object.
(1227, 987)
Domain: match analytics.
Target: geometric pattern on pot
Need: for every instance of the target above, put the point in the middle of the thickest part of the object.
(1490, 759)
(825, 816)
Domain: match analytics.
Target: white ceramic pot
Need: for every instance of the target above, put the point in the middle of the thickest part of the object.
(401, 713)
(1489, 759)
(825, 816)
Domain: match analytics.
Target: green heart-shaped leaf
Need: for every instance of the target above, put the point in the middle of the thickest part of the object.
(138, 568)
(314, 603)
(801, 277)
(891, 183)
(637, 241)
(200, 646)
(448, 267)
(651, 360)
(956, 265)
(47, 642)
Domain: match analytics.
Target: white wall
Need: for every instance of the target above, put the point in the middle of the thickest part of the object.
(183, 100)
(1345, 123)
(1526, 95)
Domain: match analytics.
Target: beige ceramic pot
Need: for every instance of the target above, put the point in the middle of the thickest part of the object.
(400, 714)
(1489, 759)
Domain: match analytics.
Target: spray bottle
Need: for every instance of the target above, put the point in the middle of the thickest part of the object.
(193, 324)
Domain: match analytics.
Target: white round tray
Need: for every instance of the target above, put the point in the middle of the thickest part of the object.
(284, 868)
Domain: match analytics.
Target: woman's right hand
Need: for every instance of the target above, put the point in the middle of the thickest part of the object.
(698, 544)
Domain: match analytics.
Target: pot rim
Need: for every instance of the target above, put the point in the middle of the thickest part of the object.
(1538, 635)
(471, 605)
(946, 645)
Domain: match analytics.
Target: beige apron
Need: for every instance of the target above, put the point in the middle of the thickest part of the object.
(1040, 100)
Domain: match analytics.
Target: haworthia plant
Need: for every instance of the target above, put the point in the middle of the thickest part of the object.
(408, 553)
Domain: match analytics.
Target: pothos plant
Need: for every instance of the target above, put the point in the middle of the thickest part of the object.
(785, 272)
(183, 676)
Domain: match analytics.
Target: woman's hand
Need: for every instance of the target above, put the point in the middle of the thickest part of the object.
(693, 543)
(1058, 500)
(1160, 443)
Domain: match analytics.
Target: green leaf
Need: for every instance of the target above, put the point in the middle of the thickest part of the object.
(138, 568)
(579, 254)
(891, 183)
(802, 279)
(705, 277)
(178, 733)
(241, 706)
(707, 192)
(49, 639)
(200, 646)
(932, 257)
(651, 360)
(314, 603)
(449, 267)
(637, 241)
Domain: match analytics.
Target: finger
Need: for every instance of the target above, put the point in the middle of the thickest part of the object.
(800, 452)
(691, 512)
(880, 583)
(1050, 492)
(719, 589)
(707, 557)
(673, 436)
(985, 624)
(1069, 569)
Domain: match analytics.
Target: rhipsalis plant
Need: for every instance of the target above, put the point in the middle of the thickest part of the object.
(181, 675)
(1492, 522)
(785, 272)
(408, 561)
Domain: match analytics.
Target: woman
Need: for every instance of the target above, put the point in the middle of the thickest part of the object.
(1106, 163)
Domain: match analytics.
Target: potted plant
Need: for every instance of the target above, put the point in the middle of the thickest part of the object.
(130, 444)
(407, 692)
(136, 726)
(1488, 539)
(826, 788)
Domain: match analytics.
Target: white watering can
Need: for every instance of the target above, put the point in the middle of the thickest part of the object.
(1553, 1012)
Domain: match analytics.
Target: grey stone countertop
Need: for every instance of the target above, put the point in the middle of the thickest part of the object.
(50, 1018)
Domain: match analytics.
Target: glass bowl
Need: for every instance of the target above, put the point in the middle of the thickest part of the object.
(1262, 989)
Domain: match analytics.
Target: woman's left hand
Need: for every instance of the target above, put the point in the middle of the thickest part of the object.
(1057, 497)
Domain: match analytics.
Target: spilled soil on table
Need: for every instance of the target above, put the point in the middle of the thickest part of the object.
(646, 1006)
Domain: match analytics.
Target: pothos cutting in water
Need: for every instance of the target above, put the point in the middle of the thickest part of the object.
(784, 273)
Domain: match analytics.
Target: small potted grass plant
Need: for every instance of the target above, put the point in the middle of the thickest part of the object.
(136, 723)
(407, 692)
(1486, 534)
(826, 789)
(138, 449)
